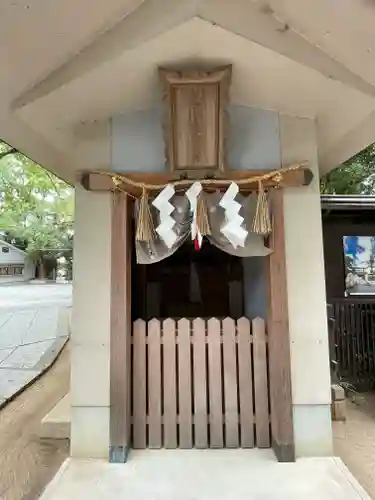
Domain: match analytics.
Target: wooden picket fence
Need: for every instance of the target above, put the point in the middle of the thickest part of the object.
(200, 383)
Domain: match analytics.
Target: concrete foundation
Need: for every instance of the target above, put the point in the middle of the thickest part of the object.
(205, 475)
(56, 424)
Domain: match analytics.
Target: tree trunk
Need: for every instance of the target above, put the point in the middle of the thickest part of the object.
(42, 270)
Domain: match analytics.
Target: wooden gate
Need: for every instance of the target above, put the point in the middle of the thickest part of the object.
(200, 383)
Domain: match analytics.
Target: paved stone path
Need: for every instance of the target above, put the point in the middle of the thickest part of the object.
(25, 296)
(34, 326)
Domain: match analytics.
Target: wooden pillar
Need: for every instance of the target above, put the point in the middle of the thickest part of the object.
(278, 339)
(120, 329)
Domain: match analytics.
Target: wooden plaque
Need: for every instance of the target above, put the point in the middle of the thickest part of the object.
(195, 123)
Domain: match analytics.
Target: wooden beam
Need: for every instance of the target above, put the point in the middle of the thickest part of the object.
(138, 23)
(92, 181)
(120, 329)
(270, 27)
(278, 339)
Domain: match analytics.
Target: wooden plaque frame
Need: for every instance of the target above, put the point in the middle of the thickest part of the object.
(195, 126)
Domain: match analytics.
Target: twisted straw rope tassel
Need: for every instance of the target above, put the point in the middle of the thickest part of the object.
(262, 222)
(145, 224)
(203, 223)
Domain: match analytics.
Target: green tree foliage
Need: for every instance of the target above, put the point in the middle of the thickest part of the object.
(36, 208)
(355, 176)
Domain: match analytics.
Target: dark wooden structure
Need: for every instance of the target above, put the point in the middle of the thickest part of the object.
(353, 341)
(121, 326)
(343, 216)
(163, 289)
(95, 181)
(278, 338)
(352, 326)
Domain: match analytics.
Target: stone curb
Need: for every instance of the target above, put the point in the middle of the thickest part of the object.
(60, 348)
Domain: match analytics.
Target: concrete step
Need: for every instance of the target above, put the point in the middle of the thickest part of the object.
(56, 424)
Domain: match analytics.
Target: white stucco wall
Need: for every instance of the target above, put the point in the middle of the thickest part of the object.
(28, 274)
(306, 295)
(14, 257)
(91, 325)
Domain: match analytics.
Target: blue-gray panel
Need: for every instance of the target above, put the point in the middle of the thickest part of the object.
(138, 144)
(137, 141)
(254, 142)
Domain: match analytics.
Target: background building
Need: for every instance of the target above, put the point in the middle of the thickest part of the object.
(15, 264)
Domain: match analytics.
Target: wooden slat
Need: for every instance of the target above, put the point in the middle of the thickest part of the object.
(353, 341)
(369, 337)
(184, 384)
(120, 341)
(260, 384)
(278, 338)
(139, 384)
(230, 383)
(169, 381)
(154, 384)
(245, 383)
(372, 338)
(215, 384)
(200, 390)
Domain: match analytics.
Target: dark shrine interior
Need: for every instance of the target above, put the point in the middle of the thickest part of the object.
(190, 283)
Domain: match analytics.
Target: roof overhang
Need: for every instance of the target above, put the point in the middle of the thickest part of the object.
(9, 245)
(347, 202)
(67, 68)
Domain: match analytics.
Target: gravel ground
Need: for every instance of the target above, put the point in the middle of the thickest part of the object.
(354, 441)
(28, 463)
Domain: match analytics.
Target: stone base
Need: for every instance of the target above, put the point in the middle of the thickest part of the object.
(216, 474)
(312, 430)
(339, 410)
(338, 407)
(56, 424)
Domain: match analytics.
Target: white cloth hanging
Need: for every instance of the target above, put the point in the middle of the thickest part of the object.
(157, 250)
